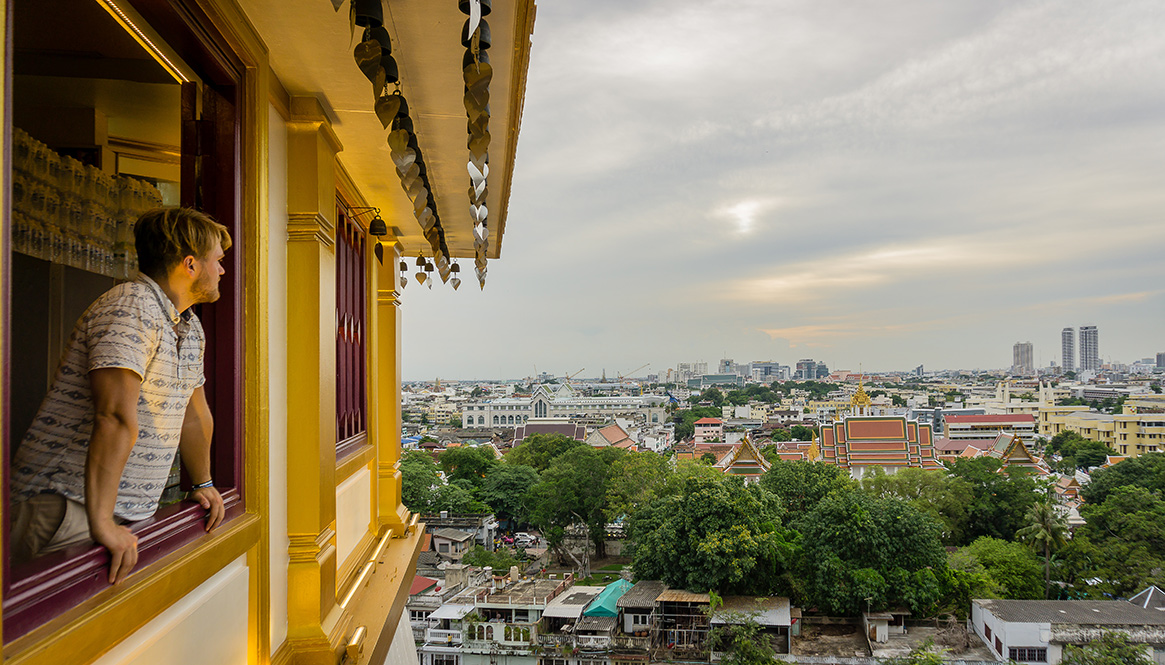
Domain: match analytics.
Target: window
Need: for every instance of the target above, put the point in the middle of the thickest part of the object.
(351, 362)
(443, 548)
(1028, 654)
(198, 167)
(998, 645)
(418, 615)
(445, 659)
(987, 631)
(495, 420)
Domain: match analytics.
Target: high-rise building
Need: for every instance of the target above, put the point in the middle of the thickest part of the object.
(806, 369)
(1089, 348)
(1068, 349)
(1161, 360)
(1021, 358)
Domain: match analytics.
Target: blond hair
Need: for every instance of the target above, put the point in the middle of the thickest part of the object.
(165, 236)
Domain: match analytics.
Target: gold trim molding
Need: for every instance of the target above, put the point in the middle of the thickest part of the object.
(310, 227)
(310, 547)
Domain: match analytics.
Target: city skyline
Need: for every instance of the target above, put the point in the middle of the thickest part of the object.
(918, 184)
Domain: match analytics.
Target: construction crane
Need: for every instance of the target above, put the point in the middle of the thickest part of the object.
(626, 374)
(571, 376)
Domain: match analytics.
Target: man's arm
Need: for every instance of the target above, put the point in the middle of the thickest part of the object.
(197, 428)
(115, 430)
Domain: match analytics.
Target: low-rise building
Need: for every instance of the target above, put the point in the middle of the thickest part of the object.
(559, 401)
(987, 426)
(1036, 631)
(709, 429)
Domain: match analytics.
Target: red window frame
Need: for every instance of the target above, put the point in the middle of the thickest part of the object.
(212, 148)
(351, 333)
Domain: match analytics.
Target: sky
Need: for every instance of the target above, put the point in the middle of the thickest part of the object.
(869, 184)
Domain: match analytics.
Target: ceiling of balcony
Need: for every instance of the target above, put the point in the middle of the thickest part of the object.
(311, 53)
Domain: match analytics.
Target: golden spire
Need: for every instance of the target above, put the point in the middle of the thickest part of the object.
(814, 452)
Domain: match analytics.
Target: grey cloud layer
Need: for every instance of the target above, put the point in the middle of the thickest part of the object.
(878, 183)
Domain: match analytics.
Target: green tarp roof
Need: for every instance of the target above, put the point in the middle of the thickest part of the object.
(604, 604)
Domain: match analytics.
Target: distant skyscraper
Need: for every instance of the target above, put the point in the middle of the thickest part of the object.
(1161, 360)
(1068, 349)
(1089, 348)
(1021, 358)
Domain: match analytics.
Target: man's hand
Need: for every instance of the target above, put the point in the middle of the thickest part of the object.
(209, 498)
(122, 546)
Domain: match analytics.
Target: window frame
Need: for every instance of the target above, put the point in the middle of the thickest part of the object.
(37, 592)
(351, 332)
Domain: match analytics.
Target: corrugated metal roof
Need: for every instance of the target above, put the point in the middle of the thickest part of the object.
(596, 624)
(681, 596)
(1089, 612)
(643, 594)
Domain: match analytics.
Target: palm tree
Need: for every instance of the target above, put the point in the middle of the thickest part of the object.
(1046, 527)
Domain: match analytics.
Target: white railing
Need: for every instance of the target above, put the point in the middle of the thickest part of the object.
(594, 641)
(439, 635)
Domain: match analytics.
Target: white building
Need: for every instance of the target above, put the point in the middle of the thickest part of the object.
(1036, 631)
(560, 401)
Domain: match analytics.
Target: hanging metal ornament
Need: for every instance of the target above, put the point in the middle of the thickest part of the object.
(404, 270)
(455, 282)
(429, 269)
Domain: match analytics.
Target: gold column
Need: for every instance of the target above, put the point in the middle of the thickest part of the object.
(311, 385)
(387, 379)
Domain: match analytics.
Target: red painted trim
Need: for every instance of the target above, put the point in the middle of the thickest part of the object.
(5, 283)
(47, 586)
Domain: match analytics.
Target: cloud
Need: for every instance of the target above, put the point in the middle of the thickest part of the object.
(890, 183)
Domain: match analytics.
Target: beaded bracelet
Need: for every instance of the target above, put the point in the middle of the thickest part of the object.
(202, 486)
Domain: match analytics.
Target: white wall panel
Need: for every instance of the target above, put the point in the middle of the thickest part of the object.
(209, 625)
(353, 512)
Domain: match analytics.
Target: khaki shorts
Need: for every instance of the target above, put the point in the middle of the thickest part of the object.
(47, 523)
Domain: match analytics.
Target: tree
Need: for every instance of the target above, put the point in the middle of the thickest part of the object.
(737, 397)
(455, 422)
(780, 435)
(801, 433)
(1009, 570)
(714, 534)
(999, 500)
(1045, 530)
(457, 498)
(712, 395)
(538, 450)
(1113, 648)
(1147, 471)
(944, 496)
(859, 551)
(500, 560)
(419, 481)
(1122, 543)
(800, 485)
(467, 463)
(505, 487)
(634, 480)
(573, 490)
(898, 400)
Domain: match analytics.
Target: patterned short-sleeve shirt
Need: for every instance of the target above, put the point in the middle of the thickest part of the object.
(133, 326)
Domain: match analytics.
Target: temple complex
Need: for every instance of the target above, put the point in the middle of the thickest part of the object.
(859, 441)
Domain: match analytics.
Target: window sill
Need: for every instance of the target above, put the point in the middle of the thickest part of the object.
(352, 455)
(54, 586)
